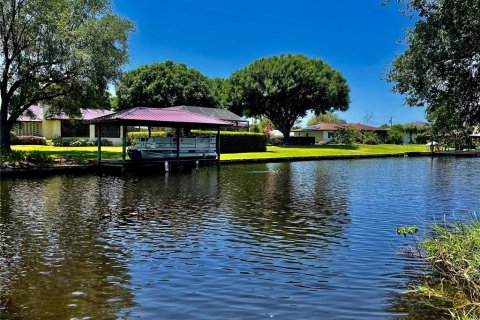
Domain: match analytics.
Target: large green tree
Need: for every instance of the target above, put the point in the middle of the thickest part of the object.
(327, 117)
(58, 52)
(166, 84)
(441, 66)
(283, 88)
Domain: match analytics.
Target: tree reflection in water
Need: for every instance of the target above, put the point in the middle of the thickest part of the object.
(54, 263)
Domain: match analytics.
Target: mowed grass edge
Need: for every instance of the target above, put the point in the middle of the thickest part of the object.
(90, 153)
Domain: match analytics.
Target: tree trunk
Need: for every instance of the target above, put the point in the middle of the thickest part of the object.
(286, 134)
(5, 128)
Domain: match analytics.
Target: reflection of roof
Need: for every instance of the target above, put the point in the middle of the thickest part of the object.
(161, 117)
(221, 114)
(335, 127)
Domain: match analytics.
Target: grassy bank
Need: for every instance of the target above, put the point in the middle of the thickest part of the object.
(90, 153)
(452, 252)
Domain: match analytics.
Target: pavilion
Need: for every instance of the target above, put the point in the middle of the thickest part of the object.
(158, 117)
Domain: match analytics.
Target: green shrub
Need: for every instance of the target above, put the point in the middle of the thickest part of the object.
(37, 157)
(28, 140)
(370, 138)
(62, 142)
(395, 134)
(131, 136)
(16, 158)
(236, 142)
(72, 142)
(13, 156)
(347, 135)
(105, 143)
(275, 140)
(299, 141)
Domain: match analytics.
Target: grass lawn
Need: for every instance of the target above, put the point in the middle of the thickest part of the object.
(90, 153)
(80, 154)
(325, 150)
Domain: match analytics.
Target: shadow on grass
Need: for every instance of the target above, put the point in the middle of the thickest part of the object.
(324, 146)
(82, 155)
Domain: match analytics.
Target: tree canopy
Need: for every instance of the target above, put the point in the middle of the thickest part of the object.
(440, 68)
(327, 117)
(167, 84)
(59, 52)
(283, 88)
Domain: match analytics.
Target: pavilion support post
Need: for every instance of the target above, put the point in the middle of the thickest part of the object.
(177, 133)
(218, 146)
(149, 131)
(99, 143)
(124, 144)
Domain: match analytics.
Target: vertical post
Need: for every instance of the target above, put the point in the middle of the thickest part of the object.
(218, 146)
(99, 142)
(149, 131)
(177, 132)
(124, 143)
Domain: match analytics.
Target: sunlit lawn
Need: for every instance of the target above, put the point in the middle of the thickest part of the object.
(325, 150)
(90, 153)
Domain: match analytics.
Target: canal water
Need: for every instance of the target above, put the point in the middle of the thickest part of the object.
(303, 240)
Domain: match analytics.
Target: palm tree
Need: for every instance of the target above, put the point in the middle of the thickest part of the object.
(410, 129)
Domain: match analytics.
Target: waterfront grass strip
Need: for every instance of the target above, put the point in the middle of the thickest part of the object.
(83, 154)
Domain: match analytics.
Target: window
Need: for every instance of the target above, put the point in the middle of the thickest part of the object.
(72, 128)
(331, 135)
(108, 131)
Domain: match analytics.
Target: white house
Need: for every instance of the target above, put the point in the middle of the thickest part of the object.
(37, 121)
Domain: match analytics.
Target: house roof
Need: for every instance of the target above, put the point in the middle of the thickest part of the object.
(222, 114)
(35, 114)
(335, 127)
(85, 114)
(160, 117)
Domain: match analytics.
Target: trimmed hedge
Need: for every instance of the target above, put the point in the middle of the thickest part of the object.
(301, 141)
(236, 142)
(28, 140)
(77, 142)
(131, 136)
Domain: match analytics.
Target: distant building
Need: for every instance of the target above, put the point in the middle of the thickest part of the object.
(325, 132)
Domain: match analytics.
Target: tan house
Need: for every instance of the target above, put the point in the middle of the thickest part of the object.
(37, 121)
(325, 132)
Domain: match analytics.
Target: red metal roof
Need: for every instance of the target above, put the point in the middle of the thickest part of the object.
(34, 114)
(85, 114)
(160, 116)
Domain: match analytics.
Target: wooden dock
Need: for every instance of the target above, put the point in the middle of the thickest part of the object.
(152, 166)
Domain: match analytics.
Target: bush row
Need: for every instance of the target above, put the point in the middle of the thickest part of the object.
(131, 136)
(76, 142)
(28, 140)
(235, 142)
(14, 157)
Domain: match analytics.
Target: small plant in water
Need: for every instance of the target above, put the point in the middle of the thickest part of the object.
(407, 230)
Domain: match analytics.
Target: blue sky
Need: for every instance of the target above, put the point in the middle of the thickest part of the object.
(357, 37)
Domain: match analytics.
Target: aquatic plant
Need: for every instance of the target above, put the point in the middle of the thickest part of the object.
(452, 251)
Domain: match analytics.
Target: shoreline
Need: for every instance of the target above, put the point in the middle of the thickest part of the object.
(115, 166)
